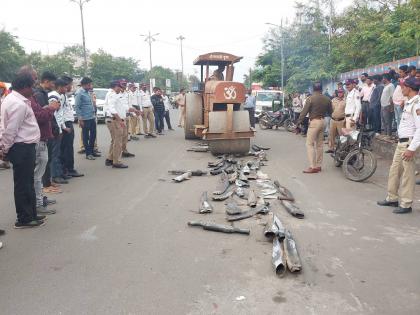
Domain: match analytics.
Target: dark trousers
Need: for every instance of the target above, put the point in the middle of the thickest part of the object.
(67, 150)
(375, 118)
(251, 112)
(387, 118)
(305, 125)
(55, 165)
(365, 114)
(168, 119)
(23, 157)
(89, 135)
(159, 116)
(46, 178)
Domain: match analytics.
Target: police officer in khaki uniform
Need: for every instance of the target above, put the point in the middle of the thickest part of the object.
(115, 122)
(318, 106)
(401, 181)
(337, 119)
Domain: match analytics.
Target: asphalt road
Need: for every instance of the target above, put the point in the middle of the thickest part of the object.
(119, 243)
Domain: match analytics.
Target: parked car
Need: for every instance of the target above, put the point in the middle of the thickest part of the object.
(100, 95)
(71, 101)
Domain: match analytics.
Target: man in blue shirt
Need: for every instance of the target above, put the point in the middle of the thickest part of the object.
(86, 115)
(250, 107)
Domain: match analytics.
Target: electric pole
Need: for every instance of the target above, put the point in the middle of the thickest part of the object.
(181, 38)
(150, 39)
(281, 56)
(81, 3)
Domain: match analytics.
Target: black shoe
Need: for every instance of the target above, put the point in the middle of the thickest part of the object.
(128, 154)
(60, 180)
(147, 136)
(108, 162)
(66, 177)
(418, 182)
(2, 232)
(151, 135)
(30, 224)
(120, 165)
(329, 151)
(75, 173)
(96, 154)
(139, 134)
(44, 210)
(46, 201)
(401, 210)
(386, 203)
(97, 151)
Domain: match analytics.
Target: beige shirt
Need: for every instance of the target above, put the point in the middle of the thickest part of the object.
(338, 107)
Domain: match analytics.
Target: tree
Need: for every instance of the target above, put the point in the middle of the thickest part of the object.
(105, 68)
(366, 33)
(12, 56)
(160, 74)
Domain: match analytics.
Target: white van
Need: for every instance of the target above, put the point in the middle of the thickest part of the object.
(264, 100)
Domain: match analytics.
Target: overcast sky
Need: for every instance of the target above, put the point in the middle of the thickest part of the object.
(233, 26)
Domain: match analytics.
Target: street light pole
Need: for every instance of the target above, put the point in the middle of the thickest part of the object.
(150, 39)
(281, 56)
(81, 3)
(181, 38)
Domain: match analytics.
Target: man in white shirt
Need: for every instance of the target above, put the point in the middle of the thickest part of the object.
(365, 95)
(67, 142)
(401, 181)
(387, 107)
(133, 102)
(126, 105)
(167, 104)
(353, 104)
(146, 107)
(116, 123)
(57, 96)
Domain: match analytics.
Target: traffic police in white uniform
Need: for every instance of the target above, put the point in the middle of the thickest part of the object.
(401, 181)
(353, 104)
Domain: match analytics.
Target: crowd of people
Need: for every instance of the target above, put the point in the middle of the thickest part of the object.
(37, 132)
(371, 105)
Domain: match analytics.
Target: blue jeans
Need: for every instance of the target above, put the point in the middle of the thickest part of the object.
(159, 116)
(89, 135)
(397, 112)
(56, 166)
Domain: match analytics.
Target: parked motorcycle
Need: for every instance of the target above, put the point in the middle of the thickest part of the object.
(284, 118)
(353, 153)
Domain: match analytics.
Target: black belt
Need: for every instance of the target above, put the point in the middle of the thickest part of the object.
(341, 119)
(349, 115)
(402, 140)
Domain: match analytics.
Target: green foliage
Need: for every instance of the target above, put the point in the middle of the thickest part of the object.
(12, 56)
(105, 68)
(160, 75)
(368, 32)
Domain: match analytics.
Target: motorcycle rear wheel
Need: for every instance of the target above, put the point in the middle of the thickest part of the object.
(359, 165)
(263, 123)
(290, 126)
